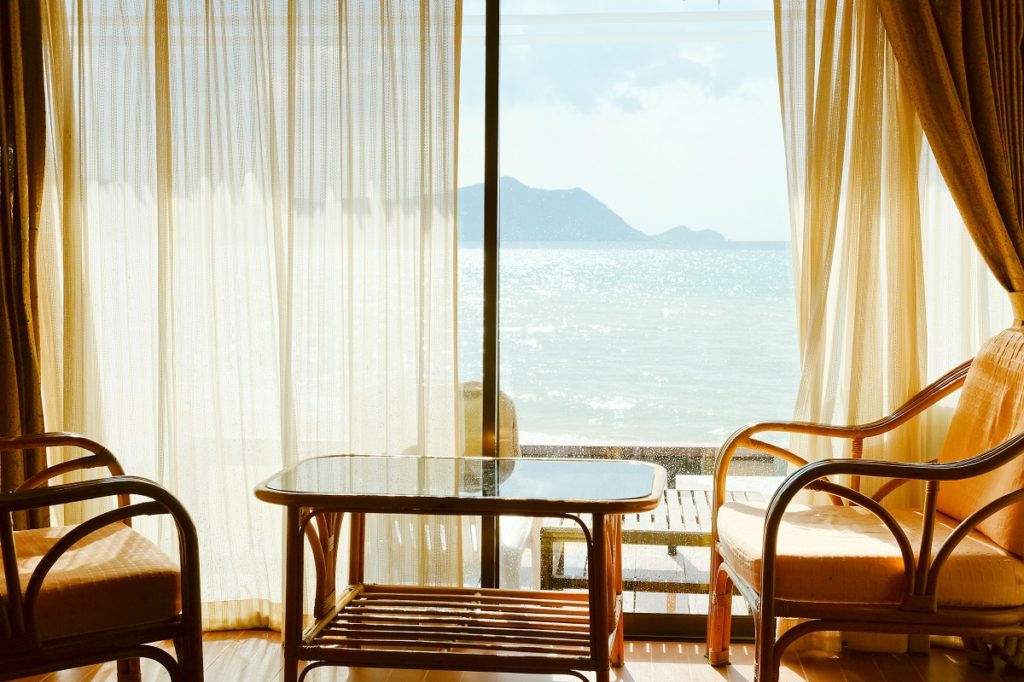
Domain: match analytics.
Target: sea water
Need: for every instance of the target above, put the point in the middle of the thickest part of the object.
(601, 344)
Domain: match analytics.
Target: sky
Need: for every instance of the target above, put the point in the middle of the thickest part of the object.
(665, 110)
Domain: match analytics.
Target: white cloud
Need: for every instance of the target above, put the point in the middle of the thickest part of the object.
(664, 133)
(679, 155)
(705, 55)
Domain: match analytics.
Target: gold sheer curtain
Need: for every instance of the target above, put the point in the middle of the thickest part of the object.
(963, 63)
(22, 144)
(249, 256)
(853, 149)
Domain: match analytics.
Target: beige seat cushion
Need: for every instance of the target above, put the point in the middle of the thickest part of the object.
(112, 578)
(845, 554)
(990, 411)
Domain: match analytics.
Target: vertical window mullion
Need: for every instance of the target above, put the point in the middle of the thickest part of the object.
(489, 429)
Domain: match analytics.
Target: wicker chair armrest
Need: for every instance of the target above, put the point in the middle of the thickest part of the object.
(814, 476)
(99, 457)
(927, 471)
(744, 437)
(87, 490)
(161, 502)
(915, 471)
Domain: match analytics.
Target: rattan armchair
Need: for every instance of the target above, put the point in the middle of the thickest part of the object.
(97, 591)
(950, 567)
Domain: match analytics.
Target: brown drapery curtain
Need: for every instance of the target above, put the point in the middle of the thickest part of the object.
(963, 64)
(22, 147)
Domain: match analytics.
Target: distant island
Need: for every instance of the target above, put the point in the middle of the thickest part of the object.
(529, 214)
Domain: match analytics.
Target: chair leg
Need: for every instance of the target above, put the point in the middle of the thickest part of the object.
(766, 665)
(720, 617)
(978, 653)
(189, 652)
(129, 670)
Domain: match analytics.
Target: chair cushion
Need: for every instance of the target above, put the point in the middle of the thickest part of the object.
(845, 554)
(990, 411)
(111, 578)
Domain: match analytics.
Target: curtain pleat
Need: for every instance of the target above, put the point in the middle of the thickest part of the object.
(22, 144)
(963, 63)
(250, 258)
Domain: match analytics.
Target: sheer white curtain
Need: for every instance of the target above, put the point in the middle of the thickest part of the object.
(249, 249)
(853, 149)
(966, 305)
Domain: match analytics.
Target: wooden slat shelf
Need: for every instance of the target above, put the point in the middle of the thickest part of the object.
(549, 630)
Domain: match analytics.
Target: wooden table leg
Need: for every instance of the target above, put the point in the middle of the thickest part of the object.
(598, 585)
(292, 629)
(618, 654)
(356, 553)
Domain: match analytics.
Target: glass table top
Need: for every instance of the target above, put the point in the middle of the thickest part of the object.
(467, 478)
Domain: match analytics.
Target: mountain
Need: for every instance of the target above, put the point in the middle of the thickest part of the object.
(684, 237)
(529, 214)
(555, 215)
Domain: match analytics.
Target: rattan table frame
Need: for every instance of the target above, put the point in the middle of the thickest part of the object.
(450, 628)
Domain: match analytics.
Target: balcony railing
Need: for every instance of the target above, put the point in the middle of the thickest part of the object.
(665, 550)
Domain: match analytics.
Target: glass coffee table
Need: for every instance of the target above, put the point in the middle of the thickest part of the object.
(455, 628)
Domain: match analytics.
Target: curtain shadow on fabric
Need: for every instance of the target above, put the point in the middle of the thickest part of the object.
(22, 144)
(250, 258)
(963, 63)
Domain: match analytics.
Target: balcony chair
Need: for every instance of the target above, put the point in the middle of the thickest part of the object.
(518, 534)
(97, 591)
(951, 567)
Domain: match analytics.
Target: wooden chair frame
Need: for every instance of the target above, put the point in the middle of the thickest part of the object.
(919, 611)
(22, 650)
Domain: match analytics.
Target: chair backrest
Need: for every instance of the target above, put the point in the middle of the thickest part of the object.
(508, 428)
(990, 411)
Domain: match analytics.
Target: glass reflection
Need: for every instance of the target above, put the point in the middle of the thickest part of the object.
(551, 479)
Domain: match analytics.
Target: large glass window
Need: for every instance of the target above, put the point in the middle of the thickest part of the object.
(646, 293)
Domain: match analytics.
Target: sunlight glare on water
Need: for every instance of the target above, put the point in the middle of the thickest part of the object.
(607, 345)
